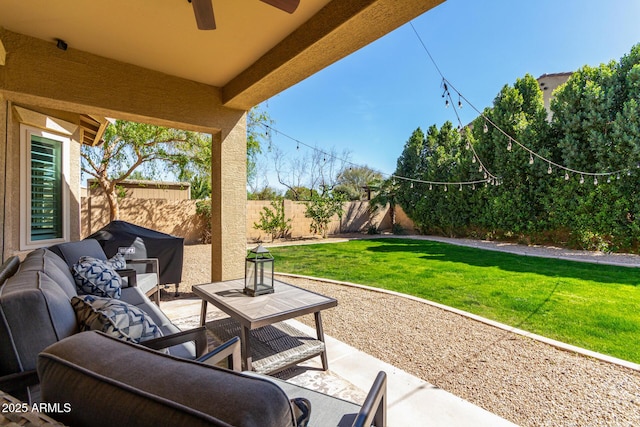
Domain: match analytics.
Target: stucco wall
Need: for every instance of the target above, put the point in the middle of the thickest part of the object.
(357, 218)
(179, 218)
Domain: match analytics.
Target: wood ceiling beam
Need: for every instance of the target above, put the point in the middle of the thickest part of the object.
(339, 29)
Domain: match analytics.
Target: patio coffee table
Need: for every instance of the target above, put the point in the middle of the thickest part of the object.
(268, 344)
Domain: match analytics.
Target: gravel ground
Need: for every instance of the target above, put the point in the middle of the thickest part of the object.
(520, 379)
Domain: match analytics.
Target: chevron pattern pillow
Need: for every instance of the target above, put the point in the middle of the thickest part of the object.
(117, 262)
(114, 317)
(95, 277)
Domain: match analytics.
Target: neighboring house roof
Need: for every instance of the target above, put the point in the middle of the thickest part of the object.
(548, 83)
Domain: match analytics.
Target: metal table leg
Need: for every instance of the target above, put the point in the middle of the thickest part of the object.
(203, 312)
(320, 332)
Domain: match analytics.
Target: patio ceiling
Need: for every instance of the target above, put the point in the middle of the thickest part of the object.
(255, 52)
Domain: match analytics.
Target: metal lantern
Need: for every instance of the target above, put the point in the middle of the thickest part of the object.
(258, 277)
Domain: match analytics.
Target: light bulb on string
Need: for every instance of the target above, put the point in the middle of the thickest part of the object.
(446, 103)
(595, 180)
(460, 189)
(459, 102)
(609, 179)
(486, 128)
(509, 145)
(430, 187)
(473, 160)
(480, 168)
(412, 185)
(467, 145)
(549, 171)
(445, 187)
(530, 159)
(566, 176)
(473, 186)
(581, 179)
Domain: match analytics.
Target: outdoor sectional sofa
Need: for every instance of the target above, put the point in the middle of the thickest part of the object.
(105, 381)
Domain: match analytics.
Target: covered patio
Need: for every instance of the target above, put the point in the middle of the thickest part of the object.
(67, 66)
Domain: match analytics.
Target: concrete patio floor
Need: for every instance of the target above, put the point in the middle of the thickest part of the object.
(411, 401)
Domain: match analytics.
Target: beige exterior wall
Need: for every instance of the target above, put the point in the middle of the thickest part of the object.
(176, 217)
(10, 146)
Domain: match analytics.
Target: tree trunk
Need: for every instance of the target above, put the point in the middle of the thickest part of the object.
(392, 213)
(110, 193)
(114, 208)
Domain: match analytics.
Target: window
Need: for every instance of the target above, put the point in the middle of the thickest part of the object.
(44, 218)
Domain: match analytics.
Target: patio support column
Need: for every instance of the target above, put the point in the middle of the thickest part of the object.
(229, 201)
(4, 118)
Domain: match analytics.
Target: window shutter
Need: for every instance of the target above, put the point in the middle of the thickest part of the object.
(46, 188)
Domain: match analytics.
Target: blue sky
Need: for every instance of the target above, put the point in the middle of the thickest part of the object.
(371, 101)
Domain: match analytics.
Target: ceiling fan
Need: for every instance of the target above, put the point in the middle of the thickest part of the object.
(203, 9)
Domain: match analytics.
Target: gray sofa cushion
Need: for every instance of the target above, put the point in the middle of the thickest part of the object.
(34, 313)
(145, 281)
(145, 388)
(53, 266)
(71, 252)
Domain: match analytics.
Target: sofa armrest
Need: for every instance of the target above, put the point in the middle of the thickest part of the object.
(229, 350)
(130, 274)
(18, 382)
(151, 262)
(374, 408)
(197, 335)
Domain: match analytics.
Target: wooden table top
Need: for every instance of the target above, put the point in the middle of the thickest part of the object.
(286, 302)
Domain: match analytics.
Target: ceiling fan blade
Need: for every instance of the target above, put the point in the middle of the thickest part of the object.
(288, 6)
(203, 9)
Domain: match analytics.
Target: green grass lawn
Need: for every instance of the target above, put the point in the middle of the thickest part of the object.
(593, 306)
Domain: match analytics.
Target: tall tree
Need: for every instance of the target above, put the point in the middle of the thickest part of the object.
(128, 146)
(357, 183)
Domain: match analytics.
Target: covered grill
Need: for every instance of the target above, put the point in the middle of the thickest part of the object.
(136, 242)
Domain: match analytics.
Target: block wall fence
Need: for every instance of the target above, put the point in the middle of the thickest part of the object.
(178, 217)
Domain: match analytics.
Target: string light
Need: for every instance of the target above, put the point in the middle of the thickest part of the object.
(447, 85)
(509, 145)
(549, 171)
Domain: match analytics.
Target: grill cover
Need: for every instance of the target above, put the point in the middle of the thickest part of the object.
(137, 242)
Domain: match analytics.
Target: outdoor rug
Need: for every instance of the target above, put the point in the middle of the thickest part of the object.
(325, 382)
